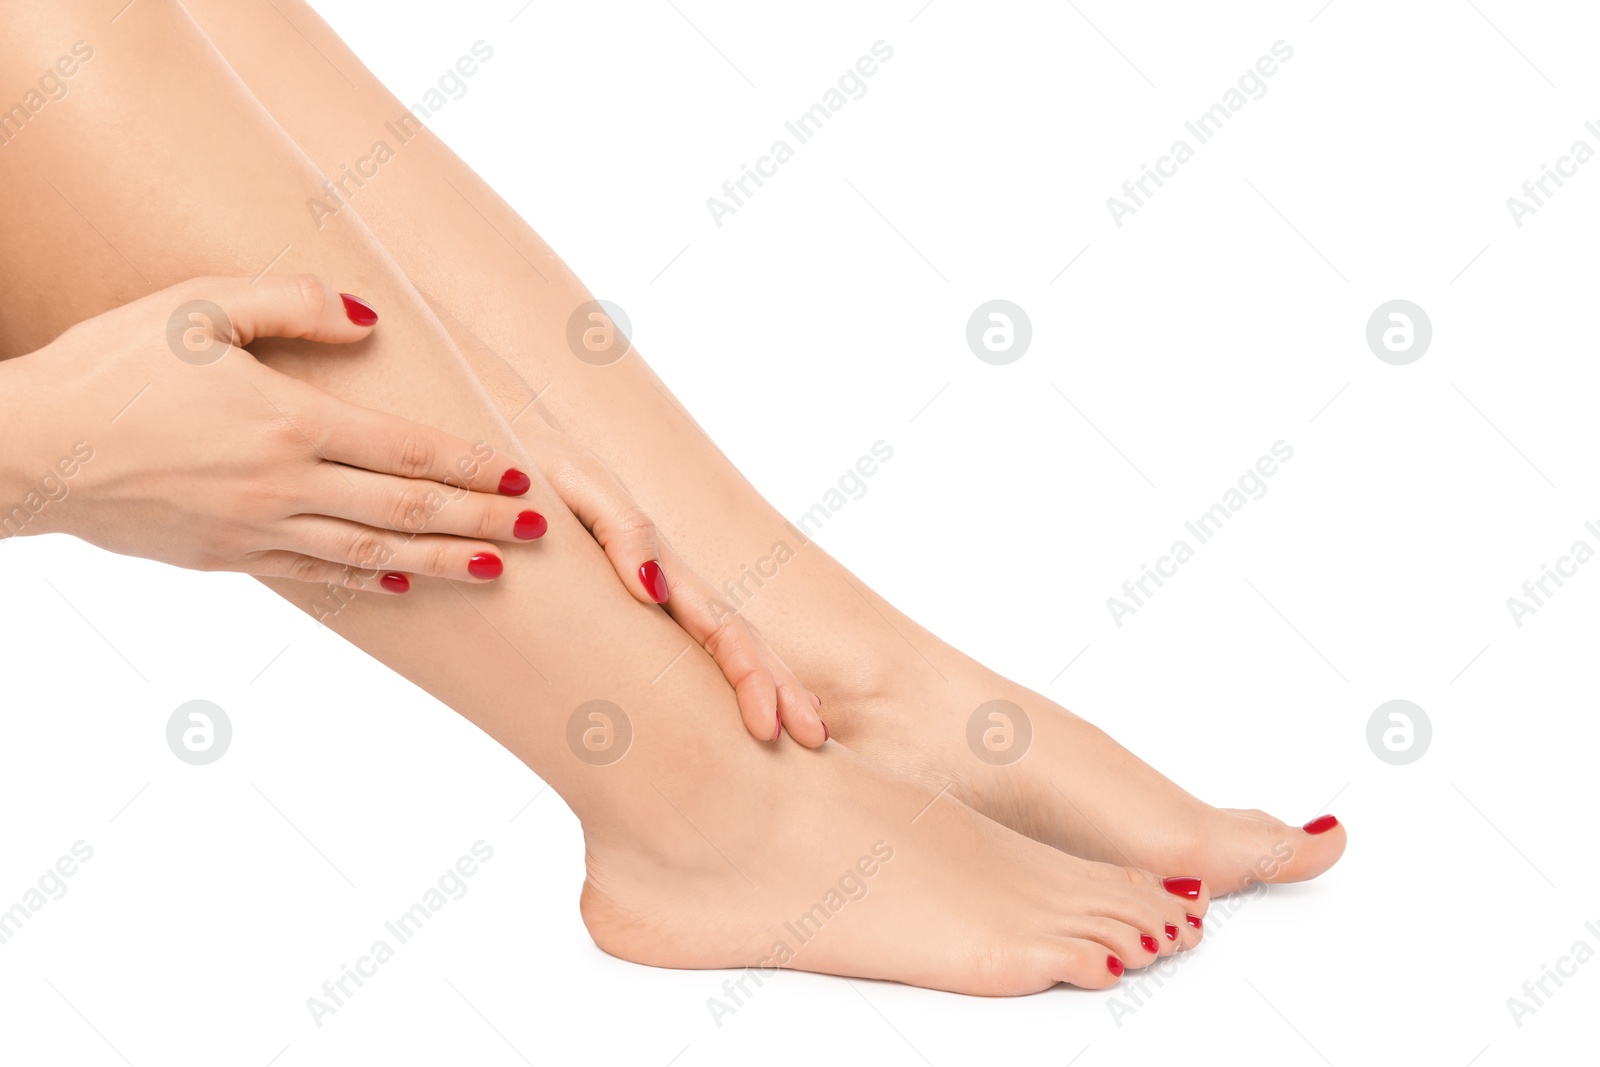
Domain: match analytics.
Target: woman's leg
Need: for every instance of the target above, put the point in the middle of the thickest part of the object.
(705, 848)
(890, 689)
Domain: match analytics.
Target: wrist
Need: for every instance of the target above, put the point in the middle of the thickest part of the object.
(42, 457)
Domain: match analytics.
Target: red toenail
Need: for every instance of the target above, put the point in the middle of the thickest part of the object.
(1320, 825)
(1149, 944)
(1194, 921)
(1182, 887)
(1172, 932)
(1114, 965)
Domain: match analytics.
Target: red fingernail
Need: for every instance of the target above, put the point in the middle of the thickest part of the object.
(1172, 932)
(1193, 920)
(1320, 825)
(514, 483)
(530, 525)
(1182, 887)
(655, 583)
(485, 565)
(1114, 965)
(395, 583)
(1149, 944)
(358, 310)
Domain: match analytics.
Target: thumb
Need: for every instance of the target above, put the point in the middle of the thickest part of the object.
(284, 305)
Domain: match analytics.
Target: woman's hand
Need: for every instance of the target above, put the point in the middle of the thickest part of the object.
(150, 431)
(184, 448)
(771, 698)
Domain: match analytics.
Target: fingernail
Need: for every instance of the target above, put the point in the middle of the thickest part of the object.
(1172, 932)
(358, 310)
(1193, 920)
(514, 483)
(395, 583)
(1182, 887)
(1148, 943)
(530, 525)
(1114, 965)
(485, 565)
(1320, 825)
(655, 583)
(778, 730)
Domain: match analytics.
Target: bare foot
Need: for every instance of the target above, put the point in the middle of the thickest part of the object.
(1073, 787)
(824, 862)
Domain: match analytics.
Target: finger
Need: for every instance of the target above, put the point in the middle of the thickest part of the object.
(643, 561)
(282, 305)
(732, 647)
(325, 572)
(608, 511)
(387, 444)
(799, 707)
(735, 646)
(369, 549)
(415, 506)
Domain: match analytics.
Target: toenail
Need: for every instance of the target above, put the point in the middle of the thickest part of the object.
(1194, 921)
(1172, 932)
(824, 731)
(1114, 965)
(777, 730)
(1182, 886)
(1320, 825)
(1149, 944)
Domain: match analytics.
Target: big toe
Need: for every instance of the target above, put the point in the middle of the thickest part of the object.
(1241, 847)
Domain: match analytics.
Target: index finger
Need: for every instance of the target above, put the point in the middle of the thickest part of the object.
(377, 441)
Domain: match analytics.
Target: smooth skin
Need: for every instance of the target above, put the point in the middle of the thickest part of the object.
(890, 689)
(701, 843)
(227, 464)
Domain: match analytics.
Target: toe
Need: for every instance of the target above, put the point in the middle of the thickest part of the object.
(1151, 911)
(1084, 962)
(1236, 847)
(1130, 944)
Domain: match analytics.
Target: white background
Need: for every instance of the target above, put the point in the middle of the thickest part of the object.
(827, 314)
